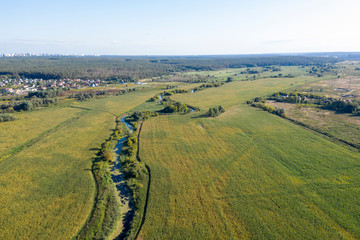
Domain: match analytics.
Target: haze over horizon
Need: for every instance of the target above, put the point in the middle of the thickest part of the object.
(179, 28)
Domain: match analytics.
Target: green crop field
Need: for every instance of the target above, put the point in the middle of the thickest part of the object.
(246, 174)
(47, 190)
(30, 125)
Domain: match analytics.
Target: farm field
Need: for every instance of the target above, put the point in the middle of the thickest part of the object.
(31, 124)
(246, 174)
(342, 126)
(47, 190)
(176, 120)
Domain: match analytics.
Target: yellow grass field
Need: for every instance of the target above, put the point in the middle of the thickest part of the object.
(47, 190)
(246, 174)
(31, 124)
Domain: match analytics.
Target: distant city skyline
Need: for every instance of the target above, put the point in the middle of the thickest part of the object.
(162, 27)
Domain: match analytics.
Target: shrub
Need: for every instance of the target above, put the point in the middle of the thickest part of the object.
(215, 111)
(153, 99)
(6, 117)
(176, 107)
(107, 156)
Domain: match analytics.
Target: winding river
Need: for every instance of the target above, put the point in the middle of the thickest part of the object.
(124, 194)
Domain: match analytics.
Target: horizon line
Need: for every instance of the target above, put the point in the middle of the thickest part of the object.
(28, 54)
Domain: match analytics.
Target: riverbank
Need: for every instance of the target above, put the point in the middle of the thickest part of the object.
(124, 195)
(105, 213)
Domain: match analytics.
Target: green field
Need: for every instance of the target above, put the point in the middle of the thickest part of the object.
(31, 124)
(235, 74)
(47, 190)
(246, 174)
(342, 126)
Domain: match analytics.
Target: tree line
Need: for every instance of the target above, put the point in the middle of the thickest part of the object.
(329, 103)
(130, 69)
(210, 85)
(277, 111)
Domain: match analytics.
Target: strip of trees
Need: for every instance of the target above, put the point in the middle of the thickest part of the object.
(50, 97)
(177, 107)
(334, 104)
(208, 85)
(172, 92)
(277, 111)
(133, 169)
(106, 211)
(27, 105)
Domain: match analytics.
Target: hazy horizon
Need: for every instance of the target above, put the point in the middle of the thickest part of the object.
(183, 55)
(201, 27)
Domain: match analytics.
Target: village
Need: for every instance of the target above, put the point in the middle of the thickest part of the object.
(19, 86)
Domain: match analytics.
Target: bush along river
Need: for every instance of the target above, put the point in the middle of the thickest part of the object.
(123, 193)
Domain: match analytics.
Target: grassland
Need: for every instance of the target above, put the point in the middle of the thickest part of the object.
(246, 174)
(47, 190)
(236, 75)
(344, 88)
(31, 124)
(342, 126)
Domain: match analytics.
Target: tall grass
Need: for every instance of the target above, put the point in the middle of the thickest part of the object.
(246, 174)
(48, 188)
(31, 124)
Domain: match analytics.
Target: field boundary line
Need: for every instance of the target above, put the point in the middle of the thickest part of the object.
(352, 146)
(83, 108)
(100, 192)
(328, 135)
(42, 135)
(148, 185)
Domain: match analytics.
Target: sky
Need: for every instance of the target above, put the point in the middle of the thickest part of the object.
(182, 27)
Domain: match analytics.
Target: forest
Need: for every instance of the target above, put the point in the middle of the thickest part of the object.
(130, 69)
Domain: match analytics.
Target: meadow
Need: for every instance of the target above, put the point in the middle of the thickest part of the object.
(47, 190)
(240, 74)
(246, 174)
(343, 126)
(31, 124)
(340, 125)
